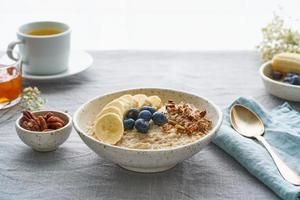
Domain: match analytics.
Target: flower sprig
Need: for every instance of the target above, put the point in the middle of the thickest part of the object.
(277, 38)
(31, 99)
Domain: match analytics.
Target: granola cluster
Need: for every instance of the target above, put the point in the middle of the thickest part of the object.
(185, 119)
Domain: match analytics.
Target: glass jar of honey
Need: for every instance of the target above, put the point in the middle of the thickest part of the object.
(10, 83)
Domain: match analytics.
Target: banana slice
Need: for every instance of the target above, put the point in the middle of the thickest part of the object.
(140, 99)
(154, 101)
(109, 128)
(110, 109)
(126, 102)
(129, 98)
(116, 103)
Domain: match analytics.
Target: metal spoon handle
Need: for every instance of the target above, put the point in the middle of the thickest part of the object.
(284, 170)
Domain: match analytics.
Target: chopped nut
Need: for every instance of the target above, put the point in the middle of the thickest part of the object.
(172, 122)
(185, 119)
(179, 127)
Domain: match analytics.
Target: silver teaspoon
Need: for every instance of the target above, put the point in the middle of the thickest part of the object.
(248, 124)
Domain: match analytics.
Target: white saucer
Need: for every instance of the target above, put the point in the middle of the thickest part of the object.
(79, 61)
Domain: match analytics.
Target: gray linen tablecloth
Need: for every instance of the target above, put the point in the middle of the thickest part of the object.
(75, 172)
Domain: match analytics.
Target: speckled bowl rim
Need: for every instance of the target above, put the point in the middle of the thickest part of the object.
(268, 79)
(48, 132)
(211, 133)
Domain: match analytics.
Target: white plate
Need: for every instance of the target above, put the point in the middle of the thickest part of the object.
(79, 61)
(278, 88)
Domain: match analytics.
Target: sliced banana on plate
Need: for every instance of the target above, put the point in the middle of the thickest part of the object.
(109, 128)
(110, 109)
(154, 101)
(140, 99)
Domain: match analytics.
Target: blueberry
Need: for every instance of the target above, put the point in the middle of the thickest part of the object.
(128, 123)
(145, 114)
(295, 80)
(142, 126)
(287, 79)
(159, 118)
(149, 108)
(276, 75)
(132, 113)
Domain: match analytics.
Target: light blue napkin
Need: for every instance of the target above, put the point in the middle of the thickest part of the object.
(282, 132)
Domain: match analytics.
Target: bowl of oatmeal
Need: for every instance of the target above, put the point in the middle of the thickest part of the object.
(147, 130)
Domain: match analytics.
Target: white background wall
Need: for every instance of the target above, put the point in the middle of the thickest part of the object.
(153, 24)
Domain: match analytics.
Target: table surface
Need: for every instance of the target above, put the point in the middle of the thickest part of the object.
(74, 172)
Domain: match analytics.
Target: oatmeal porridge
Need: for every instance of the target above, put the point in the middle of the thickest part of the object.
(141, 122)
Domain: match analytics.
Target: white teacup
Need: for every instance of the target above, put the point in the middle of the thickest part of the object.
(44, 46)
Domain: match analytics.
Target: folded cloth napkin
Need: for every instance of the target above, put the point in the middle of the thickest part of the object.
(282, 131)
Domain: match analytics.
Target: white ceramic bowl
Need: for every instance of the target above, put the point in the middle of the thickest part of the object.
(45, 141)
(145, 160)
(278, 88)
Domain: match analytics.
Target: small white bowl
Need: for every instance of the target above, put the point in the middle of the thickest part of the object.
(45, 141)
(278, 88)
(145, 160)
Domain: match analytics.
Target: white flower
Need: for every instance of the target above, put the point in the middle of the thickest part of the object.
(31, 99)
(277, 39)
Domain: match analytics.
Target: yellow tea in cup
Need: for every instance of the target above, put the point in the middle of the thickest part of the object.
(45, 31)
